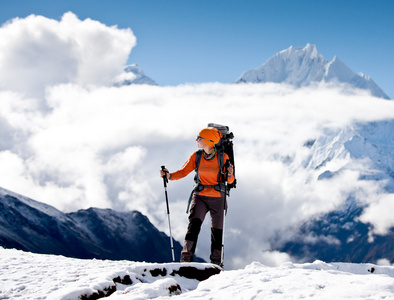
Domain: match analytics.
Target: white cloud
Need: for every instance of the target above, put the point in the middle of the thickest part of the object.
(36, 52)
(379, 213)
(95, 145)
(383, 262)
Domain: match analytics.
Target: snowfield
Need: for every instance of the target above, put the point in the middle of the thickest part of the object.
(25, 275)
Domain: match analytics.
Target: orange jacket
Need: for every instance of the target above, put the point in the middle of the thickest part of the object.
(208, 171)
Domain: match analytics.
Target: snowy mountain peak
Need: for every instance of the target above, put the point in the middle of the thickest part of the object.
(306, 53)
(133, 74)
(311, 50)
(304, 66)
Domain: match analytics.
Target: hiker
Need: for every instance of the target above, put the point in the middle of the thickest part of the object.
(209, 194)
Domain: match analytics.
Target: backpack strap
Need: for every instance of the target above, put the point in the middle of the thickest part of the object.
(196, 178)
(198, 159)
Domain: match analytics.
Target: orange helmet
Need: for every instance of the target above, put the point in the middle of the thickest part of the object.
(211, 136)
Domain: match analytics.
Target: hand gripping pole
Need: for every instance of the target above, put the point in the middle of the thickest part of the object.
(165, 180)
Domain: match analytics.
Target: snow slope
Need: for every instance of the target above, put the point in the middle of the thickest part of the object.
(304, 66)
(25, 275)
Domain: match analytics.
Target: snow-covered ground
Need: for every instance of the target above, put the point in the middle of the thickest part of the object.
(26, 275)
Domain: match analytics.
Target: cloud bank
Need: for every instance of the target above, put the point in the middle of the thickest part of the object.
(70, 139)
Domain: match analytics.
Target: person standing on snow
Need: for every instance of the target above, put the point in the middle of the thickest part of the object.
(208, 194)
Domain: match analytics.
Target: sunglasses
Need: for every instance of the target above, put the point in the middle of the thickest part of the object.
(200, 138)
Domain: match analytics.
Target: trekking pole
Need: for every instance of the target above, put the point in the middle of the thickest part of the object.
(165, 180)
(224, 211)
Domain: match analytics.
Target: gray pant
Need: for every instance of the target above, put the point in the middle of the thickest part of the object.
(200, 206)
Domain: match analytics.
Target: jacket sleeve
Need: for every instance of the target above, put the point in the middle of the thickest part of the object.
(187, 167)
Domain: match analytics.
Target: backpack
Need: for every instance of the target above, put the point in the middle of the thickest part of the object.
(225, 145)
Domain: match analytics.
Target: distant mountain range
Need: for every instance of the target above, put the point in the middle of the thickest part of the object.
(305, 66)
(295, 66)
(36, 227)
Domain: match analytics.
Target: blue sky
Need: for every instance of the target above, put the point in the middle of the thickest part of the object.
(183, 41)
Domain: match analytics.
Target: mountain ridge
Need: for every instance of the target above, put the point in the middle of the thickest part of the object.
(29, 225)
